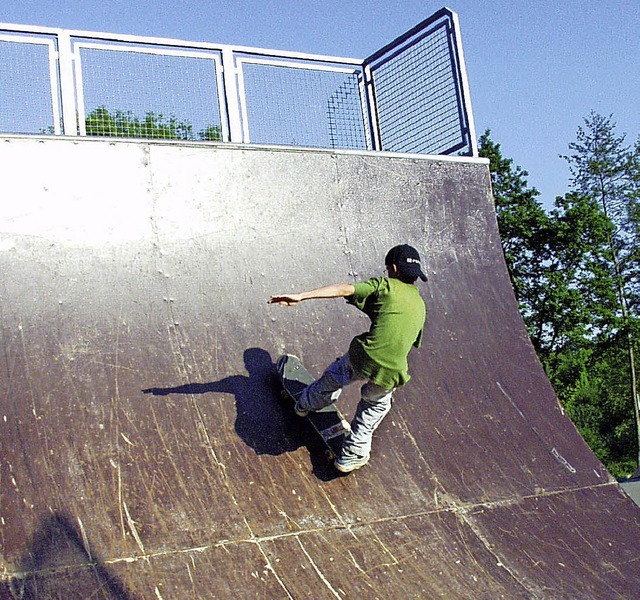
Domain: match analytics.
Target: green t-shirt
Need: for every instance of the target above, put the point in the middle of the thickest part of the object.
(397, 314)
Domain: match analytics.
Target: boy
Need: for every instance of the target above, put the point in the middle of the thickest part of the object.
(377, 357)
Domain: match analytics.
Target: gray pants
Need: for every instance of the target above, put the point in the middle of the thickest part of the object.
(375, 403)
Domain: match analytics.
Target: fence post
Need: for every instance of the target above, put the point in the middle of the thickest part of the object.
(67, 91)
(231, 95)
(464, 84)
(371, 106)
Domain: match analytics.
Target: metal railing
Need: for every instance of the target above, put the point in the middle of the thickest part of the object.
(411, 96)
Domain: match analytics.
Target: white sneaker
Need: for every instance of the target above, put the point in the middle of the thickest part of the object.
(347, 461)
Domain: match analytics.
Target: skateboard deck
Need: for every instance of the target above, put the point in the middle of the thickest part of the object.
(328, 422)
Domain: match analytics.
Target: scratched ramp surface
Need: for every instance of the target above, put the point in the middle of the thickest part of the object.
(145, 452)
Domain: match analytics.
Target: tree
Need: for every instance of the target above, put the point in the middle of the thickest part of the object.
(576, 267)
(606, 170)
(100, 122)
(559, 265)
(546, 254)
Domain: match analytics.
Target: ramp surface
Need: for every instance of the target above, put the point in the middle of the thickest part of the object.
(131, 267)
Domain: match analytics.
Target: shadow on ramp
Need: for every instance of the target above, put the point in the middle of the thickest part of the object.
(60, 563)
(264, 421)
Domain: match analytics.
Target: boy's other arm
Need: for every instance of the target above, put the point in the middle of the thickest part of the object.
(336, 290)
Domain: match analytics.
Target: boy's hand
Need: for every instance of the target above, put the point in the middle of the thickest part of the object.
(285, 299)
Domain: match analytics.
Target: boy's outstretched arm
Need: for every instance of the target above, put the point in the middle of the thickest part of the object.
(336, 290)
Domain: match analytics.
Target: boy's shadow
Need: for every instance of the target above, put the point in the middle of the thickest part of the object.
(262, 420)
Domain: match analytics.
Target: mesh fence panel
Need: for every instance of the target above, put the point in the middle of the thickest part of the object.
(129, 93)
(418, 97)
(414, 99)
(26, 102)
(346, 110)
(303, 106)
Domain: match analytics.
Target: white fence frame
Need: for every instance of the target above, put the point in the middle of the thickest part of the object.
(77, 47)
(66, 73)
(53, 70)
(273, 63)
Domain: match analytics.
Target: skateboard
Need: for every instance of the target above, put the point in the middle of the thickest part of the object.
(328, 422)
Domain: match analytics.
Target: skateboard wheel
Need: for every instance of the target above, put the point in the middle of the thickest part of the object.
(330, 455)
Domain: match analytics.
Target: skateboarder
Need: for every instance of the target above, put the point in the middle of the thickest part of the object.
(377, 357)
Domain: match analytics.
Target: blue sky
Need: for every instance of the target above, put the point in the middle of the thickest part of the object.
(536, 68)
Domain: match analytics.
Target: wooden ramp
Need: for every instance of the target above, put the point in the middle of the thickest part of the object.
(127, 266)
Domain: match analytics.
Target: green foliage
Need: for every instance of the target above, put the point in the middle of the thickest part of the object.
(589, 385)
(549, 256)
(100, 122)
(606, 170)
(576, 275)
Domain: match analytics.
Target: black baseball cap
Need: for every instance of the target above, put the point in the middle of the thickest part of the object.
(407, 259)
